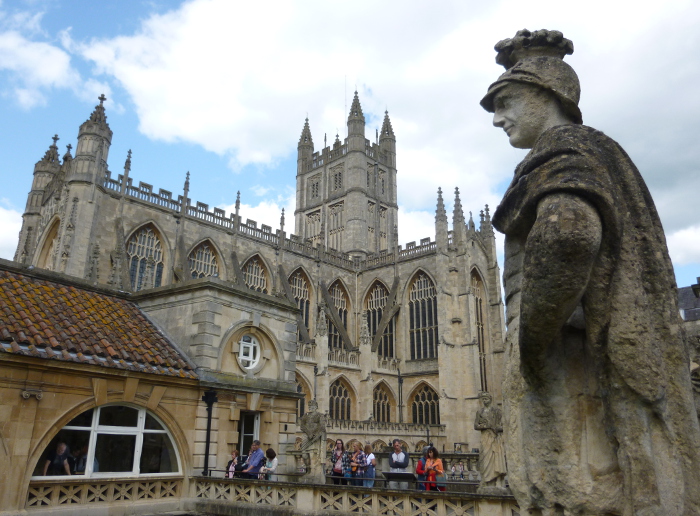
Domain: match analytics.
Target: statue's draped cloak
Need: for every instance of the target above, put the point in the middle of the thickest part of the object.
(613, 428)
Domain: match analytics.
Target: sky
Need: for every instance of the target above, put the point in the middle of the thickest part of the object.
(221, 88)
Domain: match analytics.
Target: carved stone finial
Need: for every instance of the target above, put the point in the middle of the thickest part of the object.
(282, 221)
(321, 321)
(102, 98)
(365, 338)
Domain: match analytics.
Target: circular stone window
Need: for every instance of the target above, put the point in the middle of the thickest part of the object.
(248, 352)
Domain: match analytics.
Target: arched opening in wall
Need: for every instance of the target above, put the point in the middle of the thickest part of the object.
(255, 275)
(375, 303)
(109, 441)
(299, 284)
(481, 326)
(145, 253)
(340, 400)
(425, 406)
(341, 303)
(382, 403)
(423, 321)
(49, 252)
(203, 261)
(302, 388)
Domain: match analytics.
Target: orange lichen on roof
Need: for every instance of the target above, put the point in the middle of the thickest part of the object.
(45, 319)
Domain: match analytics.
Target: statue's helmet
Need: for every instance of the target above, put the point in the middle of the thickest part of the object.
(537, 58)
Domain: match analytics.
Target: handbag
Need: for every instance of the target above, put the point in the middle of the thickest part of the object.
(338, 468)
(441, 480)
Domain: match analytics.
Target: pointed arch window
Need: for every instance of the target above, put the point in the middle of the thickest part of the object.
(299, 284)
(341, 304)
(426, 407)
(47, 258)
(339, 402)
(375, 305)
(382, 404)
(203, 261)
(255, 275)
(481, 332)
(145, 253)
(423, 325)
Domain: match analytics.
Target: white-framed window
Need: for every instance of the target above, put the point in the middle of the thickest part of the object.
(248, 352)
(109, 441)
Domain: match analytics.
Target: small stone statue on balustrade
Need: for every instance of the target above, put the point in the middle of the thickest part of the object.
(313, 447)
(492, 458)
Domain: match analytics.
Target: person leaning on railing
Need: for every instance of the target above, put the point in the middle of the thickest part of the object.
(270, 467)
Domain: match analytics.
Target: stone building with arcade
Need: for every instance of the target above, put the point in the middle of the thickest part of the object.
(393, 340)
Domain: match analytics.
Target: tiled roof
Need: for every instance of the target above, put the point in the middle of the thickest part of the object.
(47, 319)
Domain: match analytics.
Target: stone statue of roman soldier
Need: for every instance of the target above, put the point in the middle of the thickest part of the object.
(599, 413)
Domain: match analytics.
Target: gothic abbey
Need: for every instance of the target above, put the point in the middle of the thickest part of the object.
(392, 340)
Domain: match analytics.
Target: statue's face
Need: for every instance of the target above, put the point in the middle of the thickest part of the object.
(486, 401)
(523, 111)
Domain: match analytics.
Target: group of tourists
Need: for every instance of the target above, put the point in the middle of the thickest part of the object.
(356, 467)
(258, 465)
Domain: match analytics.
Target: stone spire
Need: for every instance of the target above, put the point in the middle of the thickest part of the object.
(282, 221)
(458, 226)
(127, 169)
(387, 130)
(440, 222)
(186, 194)
(51, 155)
(67, 156)
(305, 138)
(98, 115)
(356, 119)
(440, 213)
(305, 148)
(470, 225)
(457, 212)
(486, 227)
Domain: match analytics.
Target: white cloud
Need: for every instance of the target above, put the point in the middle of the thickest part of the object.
(10, 225)
(268, 212)
(684, 245)
(35, 66)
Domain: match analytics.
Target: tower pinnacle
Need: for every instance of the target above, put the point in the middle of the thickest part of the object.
(305, 138)
(387, 130)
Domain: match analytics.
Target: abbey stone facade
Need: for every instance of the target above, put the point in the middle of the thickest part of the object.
(392, 340)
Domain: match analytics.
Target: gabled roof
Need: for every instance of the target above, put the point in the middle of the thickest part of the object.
(51, 320)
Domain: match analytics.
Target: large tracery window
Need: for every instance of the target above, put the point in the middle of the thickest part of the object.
(382, 404)
(341, 304)
(145, 253)
(113, 440)
(300, 290)
(203, 261)
(422, 309)
(376, 302)
(426, 407)
(339, 402)
(479, 298)
(255, 275)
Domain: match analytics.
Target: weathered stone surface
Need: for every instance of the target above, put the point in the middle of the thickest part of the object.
(599, 409)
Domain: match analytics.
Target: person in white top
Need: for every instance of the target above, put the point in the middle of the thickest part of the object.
(370, 469)
(398, 462)
(270, 467)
